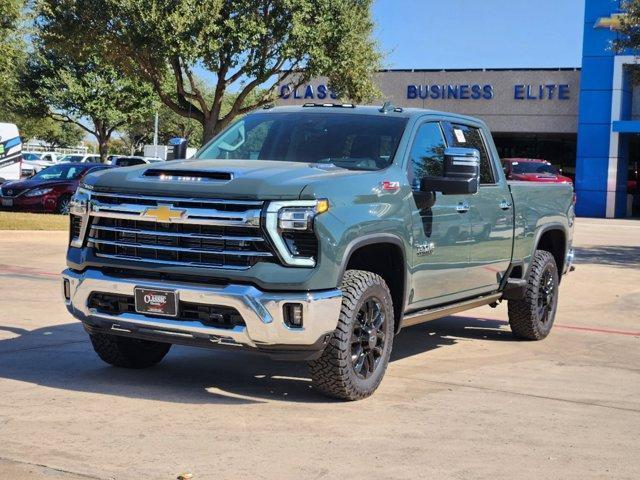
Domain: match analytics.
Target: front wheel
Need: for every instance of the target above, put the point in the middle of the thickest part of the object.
(128, 352)
(63, 205)
(356, 357)
(532, 317)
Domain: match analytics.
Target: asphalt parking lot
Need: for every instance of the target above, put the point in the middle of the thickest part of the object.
(462, 399)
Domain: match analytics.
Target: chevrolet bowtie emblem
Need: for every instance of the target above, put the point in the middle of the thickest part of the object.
(614, 22)
(163, 213)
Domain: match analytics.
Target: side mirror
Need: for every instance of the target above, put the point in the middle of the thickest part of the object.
(461, 173)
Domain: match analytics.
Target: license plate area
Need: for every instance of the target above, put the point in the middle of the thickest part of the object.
(152, 301)
(7, 202)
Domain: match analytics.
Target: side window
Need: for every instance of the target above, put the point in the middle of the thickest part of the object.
(427, 153)
(470, 137)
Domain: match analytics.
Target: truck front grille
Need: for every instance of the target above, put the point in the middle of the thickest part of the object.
(178, 231)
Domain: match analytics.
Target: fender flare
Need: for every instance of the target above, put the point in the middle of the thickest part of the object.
(373, 239)
(541, 231)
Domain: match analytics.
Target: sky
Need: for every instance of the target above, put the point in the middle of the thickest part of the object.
(437, 34)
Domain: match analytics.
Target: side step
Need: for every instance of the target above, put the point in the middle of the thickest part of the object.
(443, 311)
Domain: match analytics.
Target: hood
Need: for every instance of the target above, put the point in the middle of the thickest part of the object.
(541, 177)
(253, 179)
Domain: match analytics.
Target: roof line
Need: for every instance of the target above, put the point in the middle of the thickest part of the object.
(417, 70)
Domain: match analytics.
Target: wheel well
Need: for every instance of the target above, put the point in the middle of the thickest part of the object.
(386, 260)
(553, 241)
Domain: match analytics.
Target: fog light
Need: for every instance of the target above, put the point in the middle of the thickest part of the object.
(66, 289)
(293, 315)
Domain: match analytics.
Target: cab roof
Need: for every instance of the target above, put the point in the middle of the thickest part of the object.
(391, 111)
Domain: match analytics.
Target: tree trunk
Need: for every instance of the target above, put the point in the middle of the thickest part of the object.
(210, 129)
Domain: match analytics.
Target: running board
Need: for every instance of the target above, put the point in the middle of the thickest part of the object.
(439, 312)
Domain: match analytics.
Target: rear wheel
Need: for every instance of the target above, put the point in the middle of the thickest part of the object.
(128, 352)
(356, 357)
(532, 317)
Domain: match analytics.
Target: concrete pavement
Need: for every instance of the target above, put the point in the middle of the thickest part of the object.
(462, 399)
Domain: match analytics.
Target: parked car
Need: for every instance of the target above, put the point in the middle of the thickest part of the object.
(532, 170)
(49, 190)
(131, 160)
(33, 162)
(81, 158)
(10, 152)
(314, 233)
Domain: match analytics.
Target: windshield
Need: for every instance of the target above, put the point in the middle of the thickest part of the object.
(533, 167)
(31, 156)
(59, 172)
(352, 141)
(73, 158)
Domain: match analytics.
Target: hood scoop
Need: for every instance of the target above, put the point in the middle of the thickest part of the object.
(170, 175)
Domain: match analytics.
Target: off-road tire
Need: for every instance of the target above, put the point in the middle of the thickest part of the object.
(334, 374)
(524, 315)
(128, 352)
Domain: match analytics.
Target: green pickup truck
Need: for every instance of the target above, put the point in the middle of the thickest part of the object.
(314, 233)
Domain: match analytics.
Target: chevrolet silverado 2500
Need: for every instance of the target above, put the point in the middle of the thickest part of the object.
(314, 233)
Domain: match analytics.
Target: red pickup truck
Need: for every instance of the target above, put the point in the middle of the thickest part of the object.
(532, 170)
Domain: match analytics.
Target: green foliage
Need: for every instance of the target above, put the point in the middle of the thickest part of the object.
(54, 133)
(86, 92)
(249, 46)
(630, 35)
(12, 49)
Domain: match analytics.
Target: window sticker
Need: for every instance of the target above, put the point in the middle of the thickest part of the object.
(459, 135)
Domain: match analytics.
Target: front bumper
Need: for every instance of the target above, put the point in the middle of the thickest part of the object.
(262, 313)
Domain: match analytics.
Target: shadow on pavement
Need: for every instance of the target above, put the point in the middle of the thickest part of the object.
(61, 357)
(615, 255)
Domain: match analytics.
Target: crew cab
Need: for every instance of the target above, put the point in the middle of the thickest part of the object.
(314, 233)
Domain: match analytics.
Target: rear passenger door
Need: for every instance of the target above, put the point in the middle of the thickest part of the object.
(441, 233)
(490, 213)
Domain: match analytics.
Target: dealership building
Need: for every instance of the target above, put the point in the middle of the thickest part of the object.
(584, 121)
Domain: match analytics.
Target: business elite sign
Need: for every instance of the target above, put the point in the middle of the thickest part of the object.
(440, 92)
(486, 92)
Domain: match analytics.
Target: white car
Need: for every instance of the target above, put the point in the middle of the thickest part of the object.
(33, 162)
(129, 161)
(80, 158)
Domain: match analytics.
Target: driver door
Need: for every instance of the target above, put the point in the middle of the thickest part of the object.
(442, 232)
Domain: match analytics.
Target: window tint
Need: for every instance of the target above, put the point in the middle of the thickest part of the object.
(427, 153)
(353, 141)
(470, 137)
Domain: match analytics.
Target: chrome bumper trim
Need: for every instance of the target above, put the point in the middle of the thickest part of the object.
(261, 311)
(568, 261)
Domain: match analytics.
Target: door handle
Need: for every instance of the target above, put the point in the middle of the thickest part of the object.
(462, 207)
(505, 205)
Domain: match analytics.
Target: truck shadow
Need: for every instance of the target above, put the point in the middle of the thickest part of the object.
(614, 255)
(61, 357)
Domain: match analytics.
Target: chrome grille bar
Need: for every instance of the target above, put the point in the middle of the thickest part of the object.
(168, 262)
(240, 253)
(134, 197)
(161, 233)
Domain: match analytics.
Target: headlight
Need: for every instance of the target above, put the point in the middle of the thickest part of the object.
(38, 192)
(288, 218)
(79, 215)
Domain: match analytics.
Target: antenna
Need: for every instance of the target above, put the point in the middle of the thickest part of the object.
(386, 107)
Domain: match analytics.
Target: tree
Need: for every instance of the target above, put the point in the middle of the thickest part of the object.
(86, 92)
(11, 46)
(248, 46)
(55, 134)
